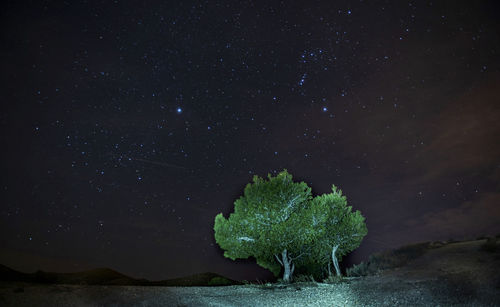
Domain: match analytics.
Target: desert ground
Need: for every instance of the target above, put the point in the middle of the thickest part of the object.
(453, 274)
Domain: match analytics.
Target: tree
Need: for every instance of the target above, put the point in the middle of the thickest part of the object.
(268, 224)
(278, 222)
(338, 229)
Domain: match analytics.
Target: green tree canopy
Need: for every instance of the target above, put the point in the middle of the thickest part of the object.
(338, 229)
(267, 223)
(278, 222)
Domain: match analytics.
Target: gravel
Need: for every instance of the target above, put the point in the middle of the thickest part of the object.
(369, 291)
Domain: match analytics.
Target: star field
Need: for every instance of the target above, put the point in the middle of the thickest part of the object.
(128, 126)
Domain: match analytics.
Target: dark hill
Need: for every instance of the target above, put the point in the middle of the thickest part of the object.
(101, 276)
(203, 279)
(9, 274)
(460, 253)
(105, 276)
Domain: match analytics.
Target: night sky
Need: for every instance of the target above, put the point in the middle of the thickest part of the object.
(126, 126)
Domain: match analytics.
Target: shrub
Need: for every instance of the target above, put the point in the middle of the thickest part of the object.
(490, 245)
(304, 278)
(391, 259)
(333, 279)
(219, 281)
(362, 269)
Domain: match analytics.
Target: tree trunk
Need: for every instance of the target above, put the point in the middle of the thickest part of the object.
(287, 266)
(335, 261)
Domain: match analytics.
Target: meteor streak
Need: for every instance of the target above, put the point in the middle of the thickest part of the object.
(159, 163)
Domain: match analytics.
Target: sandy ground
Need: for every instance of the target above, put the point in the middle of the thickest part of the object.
(361, 292)
(454, 275)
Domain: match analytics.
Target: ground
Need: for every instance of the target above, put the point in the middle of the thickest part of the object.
(459, 274)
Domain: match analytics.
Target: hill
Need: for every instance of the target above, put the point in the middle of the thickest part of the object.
(465, 254)
(105, 276)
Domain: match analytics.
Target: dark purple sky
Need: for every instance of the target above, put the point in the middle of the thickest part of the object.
(126, 126)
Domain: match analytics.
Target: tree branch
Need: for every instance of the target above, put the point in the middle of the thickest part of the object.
(301, 254)
(278, 259)
(247, 239)
(290, 203)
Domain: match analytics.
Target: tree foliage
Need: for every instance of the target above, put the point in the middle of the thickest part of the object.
(278, 222)
(266, 221)
(338, 229)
